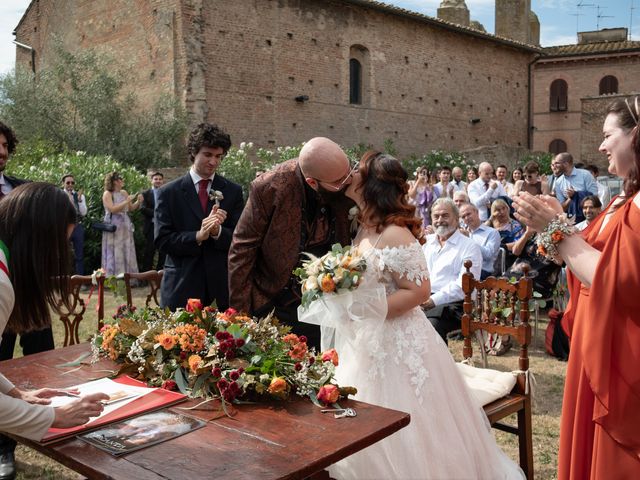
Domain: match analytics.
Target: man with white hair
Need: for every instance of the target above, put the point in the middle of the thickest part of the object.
(460, 198)
(487, 238)
(484, 190)
(446, 251)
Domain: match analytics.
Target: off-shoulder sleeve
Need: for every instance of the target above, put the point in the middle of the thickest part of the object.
(408, 261)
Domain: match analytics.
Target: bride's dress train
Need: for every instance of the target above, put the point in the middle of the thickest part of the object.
(403, 364)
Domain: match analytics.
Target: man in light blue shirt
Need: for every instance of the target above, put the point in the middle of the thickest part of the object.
(487, 238)
(573, 180)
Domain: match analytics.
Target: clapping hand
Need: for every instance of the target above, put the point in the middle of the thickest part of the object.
(536, 212)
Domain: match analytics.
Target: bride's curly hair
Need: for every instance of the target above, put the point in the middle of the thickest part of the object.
(384, 191)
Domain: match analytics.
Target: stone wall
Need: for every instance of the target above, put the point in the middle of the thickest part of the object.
(242, 64)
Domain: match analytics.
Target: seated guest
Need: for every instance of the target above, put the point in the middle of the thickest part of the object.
(34, 266)
(487, 238)
(460, 198)
(531, 183)
(509, 229)
(446, 251)
(604, 192)
(591, 208)
(484, 190)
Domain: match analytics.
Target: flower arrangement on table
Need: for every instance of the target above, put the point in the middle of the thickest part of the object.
(227, 355)
(339, 270)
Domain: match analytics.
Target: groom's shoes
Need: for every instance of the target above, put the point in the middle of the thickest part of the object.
(7, 466)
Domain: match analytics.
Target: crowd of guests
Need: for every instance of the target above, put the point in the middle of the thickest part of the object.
(218, 249)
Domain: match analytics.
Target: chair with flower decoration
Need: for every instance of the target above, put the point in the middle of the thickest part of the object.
(498, 306)
(72, 312)
(153, 279)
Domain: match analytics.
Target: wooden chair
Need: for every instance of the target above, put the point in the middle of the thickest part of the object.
(71, 313)
(493, 309)
(153, 279)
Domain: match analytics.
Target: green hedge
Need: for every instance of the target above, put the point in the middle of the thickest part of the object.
(39, 161)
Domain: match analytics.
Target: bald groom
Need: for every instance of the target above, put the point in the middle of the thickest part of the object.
(298, 206)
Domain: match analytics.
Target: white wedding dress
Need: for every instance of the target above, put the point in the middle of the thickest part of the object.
(403, 364)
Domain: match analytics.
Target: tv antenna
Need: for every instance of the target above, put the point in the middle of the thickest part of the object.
(600, 15)
(631, 9)
(580, 5)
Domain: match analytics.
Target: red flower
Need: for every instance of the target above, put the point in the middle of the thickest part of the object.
(193, 304)
(234, 388)
(170, 385)
(303, 339)
(312, 360)
(234, 375)
(328, 394)
(298, 366)
(223, 384)
(230, 355)
(216, 372)
(183, 355)
(230, 312)
(241, 370)
(240, 342)
(330, 356)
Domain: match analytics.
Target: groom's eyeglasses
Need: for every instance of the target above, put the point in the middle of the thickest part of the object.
(339, 184)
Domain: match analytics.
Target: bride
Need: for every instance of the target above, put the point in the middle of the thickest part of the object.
(400, 362)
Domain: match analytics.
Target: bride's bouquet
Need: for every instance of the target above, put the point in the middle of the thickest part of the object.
(338, 271)
(336, 297)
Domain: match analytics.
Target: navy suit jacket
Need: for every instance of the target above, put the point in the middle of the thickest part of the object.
(192, 270)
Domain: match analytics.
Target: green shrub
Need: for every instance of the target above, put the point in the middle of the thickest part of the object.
(543, 159)
(39, 161)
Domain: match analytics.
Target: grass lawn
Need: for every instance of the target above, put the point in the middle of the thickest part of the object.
(549, 374)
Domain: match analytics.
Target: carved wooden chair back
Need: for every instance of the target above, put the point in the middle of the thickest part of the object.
(72, 313)
(498, 306)
(153, 278)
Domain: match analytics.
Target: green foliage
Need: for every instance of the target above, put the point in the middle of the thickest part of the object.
(543, 159)
(81, 104)
(38, 161)
(434, 160)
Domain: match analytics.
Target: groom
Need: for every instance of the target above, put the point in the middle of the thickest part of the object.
(298, 206)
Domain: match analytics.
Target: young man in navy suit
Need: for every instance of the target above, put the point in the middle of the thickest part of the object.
(195, 217)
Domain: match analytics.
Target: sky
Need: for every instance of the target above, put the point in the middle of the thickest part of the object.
(559, 19)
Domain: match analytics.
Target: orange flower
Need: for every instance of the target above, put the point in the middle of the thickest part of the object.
(542, 251)
(291, 339)
(330, 356)
(194, 362)
(328, 394)
(190, 337)
(193, 304)
(557, 236)
(167, 340)
(277, 385)
(298, 351)
(327, 284)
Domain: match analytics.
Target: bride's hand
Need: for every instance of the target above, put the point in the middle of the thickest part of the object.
(536, 212)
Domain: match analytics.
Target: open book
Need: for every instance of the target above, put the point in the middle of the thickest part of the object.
(127, 397)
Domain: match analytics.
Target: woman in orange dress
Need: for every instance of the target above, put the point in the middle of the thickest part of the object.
(600, 425)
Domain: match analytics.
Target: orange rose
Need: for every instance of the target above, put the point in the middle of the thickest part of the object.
(542, 251)
(330, 356)
(166, 340)
(277, 385)
(328, 394)
(194, 362)
(298, 351)
(557, 236)
(193, 304)
(327, 284)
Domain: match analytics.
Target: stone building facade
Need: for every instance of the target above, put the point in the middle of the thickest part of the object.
(572, 86)
(278, 72)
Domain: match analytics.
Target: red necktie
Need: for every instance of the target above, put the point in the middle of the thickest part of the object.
(203, 193)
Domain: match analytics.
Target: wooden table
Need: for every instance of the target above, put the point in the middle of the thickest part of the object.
(283, 440)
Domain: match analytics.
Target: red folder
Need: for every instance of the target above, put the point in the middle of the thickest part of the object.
(154, 400)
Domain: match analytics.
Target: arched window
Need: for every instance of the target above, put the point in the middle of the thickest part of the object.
(358, 75)
(557, 146)
(608, 85)
(558, 96)
(355, 82)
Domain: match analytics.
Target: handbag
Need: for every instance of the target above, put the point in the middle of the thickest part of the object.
(104, 226)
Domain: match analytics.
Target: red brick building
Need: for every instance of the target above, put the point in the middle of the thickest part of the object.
(278, 72)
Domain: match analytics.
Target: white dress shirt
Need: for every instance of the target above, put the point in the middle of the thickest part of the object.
(482, 197)
(604, 194)
(488, 239)
(196, 183)
(458, 187)
(5, 188)
(446, 265)
(82, 202)
(439, 190)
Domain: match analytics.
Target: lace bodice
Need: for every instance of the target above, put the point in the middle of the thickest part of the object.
(408, 261)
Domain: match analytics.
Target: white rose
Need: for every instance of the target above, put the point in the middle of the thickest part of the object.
(311, 283)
